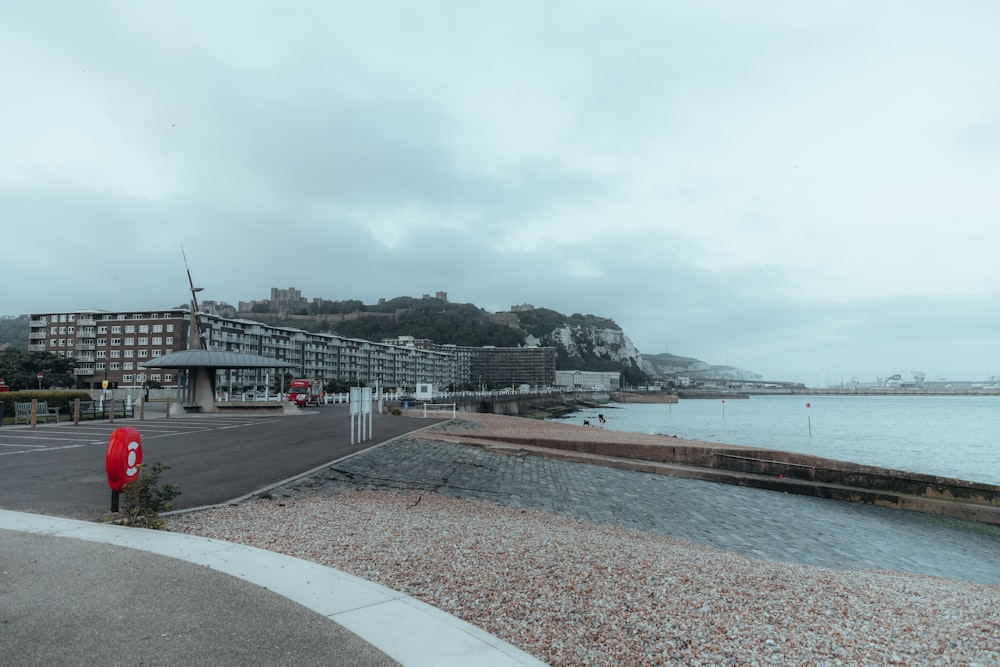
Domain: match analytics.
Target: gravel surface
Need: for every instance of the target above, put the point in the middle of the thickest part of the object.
(575, 593)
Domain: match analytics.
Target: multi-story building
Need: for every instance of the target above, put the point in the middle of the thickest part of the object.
(113, 346)
(589, 380)
(494, 366)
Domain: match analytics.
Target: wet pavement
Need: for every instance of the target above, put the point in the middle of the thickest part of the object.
(760, 523)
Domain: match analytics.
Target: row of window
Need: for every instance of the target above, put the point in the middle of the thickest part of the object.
(114, 354)
(71, 317)
(129, 329)
(116, 342)
(123, 366)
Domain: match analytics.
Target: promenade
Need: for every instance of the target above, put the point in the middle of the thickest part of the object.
(760, 523)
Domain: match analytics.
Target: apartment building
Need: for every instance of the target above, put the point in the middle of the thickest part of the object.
(493, 367)
(113, 346)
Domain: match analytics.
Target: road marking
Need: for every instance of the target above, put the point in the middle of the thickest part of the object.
(43, 449)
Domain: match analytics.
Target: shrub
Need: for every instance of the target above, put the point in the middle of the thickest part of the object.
(144, 499)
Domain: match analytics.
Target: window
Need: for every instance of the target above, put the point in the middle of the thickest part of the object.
(99, 366)
(116, 329)
(72, 318)
(130, 329)
(62, 318)
(115, 354)
(102, 354)
(143, 328)
(113, 366)
(127, 378)
(101, 342)
(102, 330)
(62, 342)
(157, 328)
(130, 341)
(157, 353)
(170, 328)
(155, 376)
(127, 366)
(128, 354)
(168, 377)
(71, 330)
(62, 330)
(116, 341)
(52, 342)
(170, 340)
(54, 330)
(136, 316)
(143, 341)
(143, 354)
(157, 340)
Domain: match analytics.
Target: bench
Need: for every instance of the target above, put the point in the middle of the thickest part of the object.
(95, 409)
(89, 408)
(122, 408)
(42, 412)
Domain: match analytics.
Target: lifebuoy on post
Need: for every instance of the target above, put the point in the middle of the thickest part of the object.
(123, 457)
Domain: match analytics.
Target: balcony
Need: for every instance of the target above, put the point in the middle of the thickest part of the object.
(83, 371)
(36, 335)
(80, 345)
(86, 322)
(39, 323)
(86, 333)
(86, 356)
(37, 348)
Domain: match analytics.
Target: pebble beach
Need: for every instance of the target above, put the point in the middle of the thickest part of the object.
(572, 592)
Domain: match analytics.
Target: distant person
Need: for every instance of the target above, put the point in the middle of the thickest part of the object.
(601, 419)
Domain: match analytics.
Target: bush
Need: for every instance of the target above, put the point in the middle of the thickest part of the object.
(144, 499)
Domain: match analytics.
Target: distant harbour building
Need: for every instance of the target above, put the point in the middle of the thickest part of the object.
(589, 380)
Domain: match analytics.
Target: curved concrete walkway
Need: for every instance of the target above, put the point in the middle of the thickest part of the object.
(81, 593)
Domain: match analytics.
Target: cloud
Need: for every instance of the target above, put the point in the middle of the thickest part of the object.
(802, 191)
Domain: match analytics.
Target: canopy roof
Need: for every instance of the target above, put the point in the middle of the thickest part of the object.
(214, 359)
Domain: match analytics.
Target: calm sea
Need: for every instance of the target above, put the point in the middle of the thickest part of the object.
(950, 436)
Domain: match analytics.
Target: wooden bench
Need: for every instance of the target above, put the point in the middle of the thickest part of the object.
(42, 412)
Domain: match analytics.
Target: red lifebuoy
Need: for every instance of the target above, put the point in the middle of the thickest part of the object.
(123, 457)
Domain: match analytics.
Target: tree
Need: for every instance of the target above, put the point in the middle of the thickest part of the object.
(20, 369)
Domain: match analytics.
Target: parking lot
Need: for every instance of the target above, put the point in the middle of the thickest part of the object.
(58, 469)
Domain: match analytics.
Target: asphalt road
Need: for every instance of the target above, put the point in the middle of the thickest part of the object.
(58, 469)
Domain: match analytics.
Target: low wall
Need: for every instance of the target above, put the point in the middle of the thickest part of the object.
(798, 473)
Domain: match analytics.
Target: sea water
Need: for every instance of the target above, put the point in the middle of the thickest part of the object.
(948, 436)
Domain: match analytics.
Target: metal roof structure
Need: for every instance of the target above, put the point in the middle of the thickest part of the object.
(214, 359)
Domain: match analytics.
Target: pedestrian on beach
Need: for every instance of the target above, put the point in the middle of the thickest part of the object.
(601, 419)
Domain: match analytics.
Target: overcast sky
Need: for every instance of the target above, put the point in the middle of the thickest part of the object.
(810, 191)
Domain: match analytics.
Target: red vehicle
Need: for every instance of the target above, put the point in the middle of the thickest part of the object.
(304, 392)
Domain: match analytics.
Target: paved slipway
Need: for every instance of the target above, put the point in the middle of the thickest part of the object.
(760, 523)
